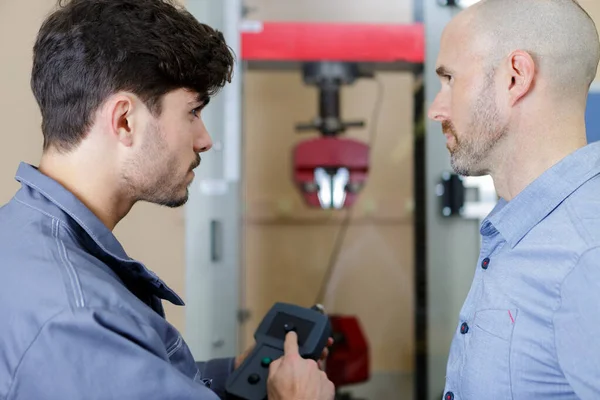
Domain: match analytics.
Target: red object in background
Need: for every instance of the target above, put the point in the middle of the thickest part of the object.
(330, 152)
(348, 362)
(296, 41)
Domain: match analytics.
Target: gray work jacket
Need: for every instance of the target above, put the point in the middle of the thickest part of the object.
(79, 319)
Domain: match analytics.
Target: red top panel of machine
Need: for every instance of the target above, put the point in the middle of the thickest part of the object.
(286, 41)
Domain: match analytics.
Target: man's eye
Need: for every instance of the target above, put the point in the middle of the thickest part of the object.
(196, 111)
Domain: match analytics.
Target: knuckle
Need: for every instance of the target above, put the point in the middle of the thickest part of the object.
(291, 358)
(331, 387)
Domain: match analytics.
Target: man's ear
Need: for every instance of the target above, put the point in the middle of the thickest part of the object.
(521, 71)
(122, 118)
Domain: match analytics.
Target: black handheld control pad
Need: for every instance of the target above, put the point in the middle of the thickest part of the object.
(249, 381)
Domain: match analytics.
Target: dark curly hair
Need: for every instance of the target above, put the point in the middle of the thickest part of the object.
(87, 50)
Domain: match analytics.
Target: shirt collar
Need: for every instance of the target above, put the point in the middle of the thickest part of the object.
(514, 219)
(107, 243)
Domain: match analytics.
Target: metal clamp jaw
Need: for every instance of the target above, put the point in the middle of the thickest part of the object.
(470, 197)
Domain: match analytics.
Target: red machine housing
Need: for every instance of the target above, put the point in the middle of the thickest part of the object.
(330, 153)
(274, 41)
(348, 362)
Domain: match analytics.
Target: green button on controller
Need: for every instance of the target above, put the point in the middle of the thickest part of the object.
(265, 362)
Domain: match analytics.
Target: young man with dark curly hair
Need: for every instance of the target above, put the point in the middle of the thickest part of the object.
(121, 85)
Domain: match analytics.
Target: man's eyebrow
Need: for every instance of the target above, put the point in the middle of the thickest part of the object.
(443, 71)
(202, 99)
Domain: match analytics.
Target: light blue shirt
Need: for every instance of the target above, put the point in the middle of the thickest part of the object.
(79, 318)
(530, 326)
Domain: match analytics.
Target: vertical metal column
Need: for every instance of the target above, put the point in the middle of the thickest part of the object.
(420, 381)
(452, 243)
(213, 213)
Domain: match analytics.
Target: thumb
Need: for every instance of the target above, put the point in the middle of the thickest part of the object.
(291, 344)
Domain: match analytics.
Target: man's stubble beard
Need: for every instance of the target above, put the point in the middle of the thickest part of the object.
(154, 176)
(471, 154)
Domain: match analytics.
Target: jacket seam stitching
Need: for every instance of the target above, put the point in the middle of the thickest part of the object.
(74, 280)
(55, 221)
(175, 346)
(63, 254)
(36, 209)
(61, 261)
(47, 215)
(72, 215)
(151, 273)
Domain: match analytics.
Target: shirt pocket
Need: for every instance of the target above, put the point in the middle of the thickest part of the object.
(486, 373)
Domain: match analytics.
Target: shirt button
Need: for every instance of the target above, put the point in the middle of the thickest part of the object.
(464, 328)
(485, 263)
(449, 396)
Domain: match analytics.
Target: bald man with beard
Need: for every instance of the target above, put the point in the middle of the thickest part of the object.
(515, 76)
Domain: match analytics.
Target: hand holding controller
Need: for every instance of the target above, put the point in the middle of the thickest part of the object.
(292, 377)
(289, 342)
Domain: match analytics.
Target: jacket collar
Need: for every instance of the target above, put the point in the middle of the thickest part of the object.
(59, 198)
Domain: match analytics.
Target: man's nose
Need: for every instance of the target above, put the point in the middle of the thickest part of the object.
(438, 111)
(206, 147)
(203, 141)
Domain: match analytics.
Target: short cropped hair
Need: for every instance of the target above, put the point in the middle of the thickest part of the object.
(558, 34)
(87, 50)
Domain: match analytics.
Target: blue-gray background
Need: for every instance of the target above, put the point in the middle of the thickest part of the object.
(592, 116)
